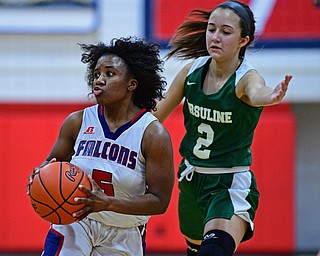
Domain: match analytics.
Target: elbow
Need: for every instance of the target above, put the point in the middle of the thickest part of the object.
(163, 206)
(163, 209)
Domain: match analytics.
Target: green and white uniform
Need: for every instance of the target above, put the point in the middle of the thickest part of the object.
(215, 179)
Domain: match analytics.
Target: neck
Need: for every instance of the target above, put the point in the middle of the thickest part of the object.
(218, 74)
(224, 69)
(116, 117)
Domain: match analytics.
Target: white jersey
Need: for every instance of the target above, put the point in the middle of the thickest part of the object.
(114, 160)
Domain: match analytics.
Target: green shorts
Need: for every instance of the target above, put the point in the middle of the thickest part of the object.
(210, 196)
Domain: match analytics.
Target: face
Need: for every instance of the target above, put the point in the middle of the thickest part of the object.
(112, 82)
(223, 35)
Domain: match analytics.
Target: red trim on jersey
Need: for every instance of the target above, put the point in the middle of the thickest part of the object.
(101, 109)
(140, 113)
(61, 241)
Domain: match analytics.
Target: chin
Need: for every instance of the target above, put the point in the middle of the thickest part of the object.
(215, 56)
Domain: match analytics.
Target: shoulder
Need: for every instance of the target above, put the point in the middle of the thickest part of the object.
(76, 116)
(156, 130)
(181, 76)
(247, 73)
(199, 62)
(74, 119)
(156, 137)
(71, 125)
(156, 142)
(250, 80)
(193, 65)
(186, 69)
(251, 76)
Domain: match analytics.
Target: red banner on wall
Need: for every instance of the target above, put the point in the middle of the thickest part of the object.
(27, 133)
(276, 20)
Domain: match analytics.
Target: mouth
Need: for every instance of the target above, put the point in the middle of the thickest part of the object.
(213, 47)
(97, 91)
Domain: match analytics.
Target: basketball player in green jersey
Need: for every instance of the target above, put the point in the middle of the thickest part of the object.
(223, 99)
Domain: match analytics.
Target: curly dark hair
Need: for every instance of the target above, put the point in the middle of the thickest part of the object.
(189, 41)
(143, 61)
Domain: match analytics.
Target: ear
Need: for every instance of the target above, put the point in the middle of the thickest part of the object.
(133, 83)
(244, 41)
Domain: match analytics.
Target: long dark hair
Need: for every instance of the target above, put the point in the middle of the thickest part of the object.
(189, 41)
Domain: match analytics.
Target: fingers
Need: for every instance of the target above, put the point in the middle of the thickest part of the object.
(287, 79)
(34, 173)
(53, 160)
(31, 177)
(284, 84)
(88, 193)
(82, 213)
(84, 200)
(94, 184)
(36, 170)
(85, 189)
(28, 189)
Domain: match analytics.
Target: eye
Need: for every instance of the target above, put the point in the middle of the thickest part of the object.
(109, 73)
(211, 28)
(96, 75)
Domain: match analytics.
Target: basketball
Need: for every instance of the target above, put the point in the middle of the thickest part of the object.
(53, 190)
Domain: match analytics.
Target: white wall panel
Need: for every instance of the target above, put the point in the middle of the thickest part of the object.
(47, 67)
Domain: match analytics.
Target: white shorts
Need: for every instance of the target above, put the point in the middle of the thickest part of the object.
(89, 237)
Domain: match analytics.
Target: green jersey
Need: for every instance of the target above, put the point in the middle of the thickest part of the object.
(219, 126)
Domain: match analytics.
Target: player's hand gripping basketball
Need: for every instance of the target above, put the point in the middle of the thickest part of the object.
(95, 201)
(35, 171)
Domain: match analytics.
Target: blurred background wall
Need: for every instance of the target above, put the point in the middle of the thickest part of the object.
(41, 71)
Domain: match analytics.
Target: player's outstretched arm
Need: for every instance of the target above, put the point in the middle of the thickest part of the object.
(173, 96)
(253, 90)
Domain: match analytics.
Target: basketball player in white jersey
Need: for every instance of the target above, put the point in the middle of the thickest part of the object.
(122, 146)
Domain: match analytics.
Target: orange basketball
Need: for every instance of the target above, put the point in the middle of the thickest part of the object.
(53, 190)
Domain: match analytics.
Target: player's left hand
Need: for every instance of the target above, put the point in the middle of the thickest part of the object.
(95, 201)
(280, 90)
(35, 171)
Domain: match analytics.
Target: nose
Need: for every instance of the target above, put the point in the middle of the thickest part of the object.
(100, 79)
(215, 37)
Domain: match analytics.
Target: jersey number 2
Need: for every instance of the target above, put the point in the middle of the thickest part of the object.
(200, 149)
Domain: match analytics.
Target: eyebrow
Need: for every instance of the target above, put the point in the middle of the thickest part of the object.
(224, 25)
(105, 67)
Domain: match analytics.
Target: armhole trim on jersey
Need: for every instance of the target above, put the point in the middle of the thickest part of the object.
(198, 63)
(242, 70)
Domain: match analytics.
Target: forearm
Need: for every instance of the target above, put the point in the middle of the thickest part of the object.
(261, 97)
(147, 204)
(164, 109)
(265, 96)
